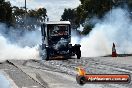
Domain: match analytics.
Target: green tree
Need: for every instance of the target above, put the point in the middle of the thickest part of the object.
(36, 17)
(28, 19)
(5, 12)
(87, 10)
(70, 15)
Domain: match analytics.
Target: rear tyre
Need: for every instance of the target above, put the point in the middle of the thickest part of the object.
(47, 54)
(77, 50)
(79, 54)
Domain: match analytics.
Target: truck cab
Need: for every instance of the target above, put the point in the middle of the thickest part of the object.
(56, 41)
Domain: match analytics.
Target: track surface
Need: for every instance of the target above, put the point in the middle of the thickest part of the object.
(61, 74)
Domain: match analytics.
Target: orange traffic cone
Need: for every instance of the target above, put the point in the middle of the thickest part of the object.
(114, 54)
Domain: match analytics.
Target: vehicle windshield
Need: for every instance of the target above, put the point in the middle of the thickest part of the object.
(59, 30)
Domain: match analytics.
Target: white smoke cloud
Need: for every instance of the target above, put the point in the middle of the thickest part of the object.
(30, 39)
(115, 27)
(9, 51)
(16, 46)
(75, 39)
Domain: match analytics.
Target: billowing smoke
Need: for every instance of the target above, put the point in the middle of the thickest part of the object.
(115, 27)
(18, 44)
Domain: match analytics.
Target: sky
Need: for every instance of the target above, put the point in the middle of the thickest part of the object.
(54, 8)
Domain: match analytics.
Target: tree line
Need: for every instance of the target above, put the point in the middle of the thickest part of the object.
(92, 8)
(18, 17)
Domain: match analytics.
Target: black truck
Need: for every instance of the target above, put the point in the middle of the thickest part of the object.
(56, 41)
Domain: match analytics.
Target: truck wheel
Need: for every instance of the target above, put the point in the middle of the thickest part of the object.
(78, 54)
(77, 50)
(47, 54)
